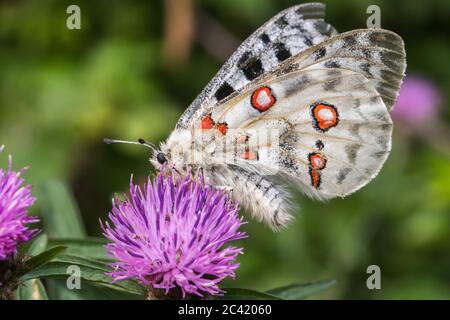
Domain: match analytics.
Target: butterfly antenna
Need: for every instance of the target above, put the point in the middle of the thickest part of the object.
(141, 142)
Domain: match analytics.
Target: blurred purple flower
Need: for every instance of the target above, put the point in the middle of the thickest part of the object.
(172, 234)
(14, 202)
(418, 100)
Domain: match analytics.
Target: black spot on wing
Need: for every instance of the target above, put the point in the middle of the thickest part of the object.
(265, 38)
(224, 91)
(281, 22)
(250, 66)
(253, 69)
(319, 145)
(281, 52)
(244, 58)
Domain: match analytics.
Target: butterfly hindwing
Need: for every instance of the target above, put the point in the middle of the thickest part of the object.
(333, 129)
(285, 35)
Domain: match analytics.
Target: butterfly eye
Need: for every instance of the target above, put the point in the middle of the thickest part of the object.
(161, 158)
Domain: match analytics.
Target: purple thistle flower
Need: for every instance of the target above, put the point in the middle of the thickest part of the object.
(172, 234)
(14, 202)
(418, 100)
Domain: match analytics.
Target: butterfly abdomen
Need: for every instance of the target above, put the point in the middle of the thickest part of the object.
(264, 199)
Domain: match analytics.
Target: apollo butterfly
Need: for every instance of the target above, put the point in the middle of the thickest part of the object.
(327, 96)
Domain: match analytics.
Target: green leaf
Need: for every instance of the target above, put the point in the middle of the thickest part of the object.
(40, 260)
(301, 291)
(246, 294)
(90, 270)
(89, 247)
(61, 219)
(60, 214)
(36, 246)
(31, 290)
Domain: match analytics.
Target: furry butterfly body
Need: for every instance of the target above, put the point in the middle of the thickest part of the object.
(297, 104)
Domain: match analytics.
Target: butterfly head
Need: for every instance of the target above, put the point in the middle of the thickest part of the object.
(161, 158)
(158, 159)
(174, 153)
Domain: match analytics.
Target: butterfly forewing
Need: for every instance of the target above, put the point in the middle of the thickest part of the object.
(285, 35)
(377, 54)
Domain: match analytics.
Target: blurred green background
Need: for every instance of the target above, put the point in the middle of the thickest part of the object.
(136, 65)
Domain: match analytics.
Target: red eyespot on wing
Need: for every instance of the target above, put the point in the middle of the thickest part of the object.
(250, 155)
(222, 127)
(207, 122)
(325, 116)
(263, 99)
(317, 162)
